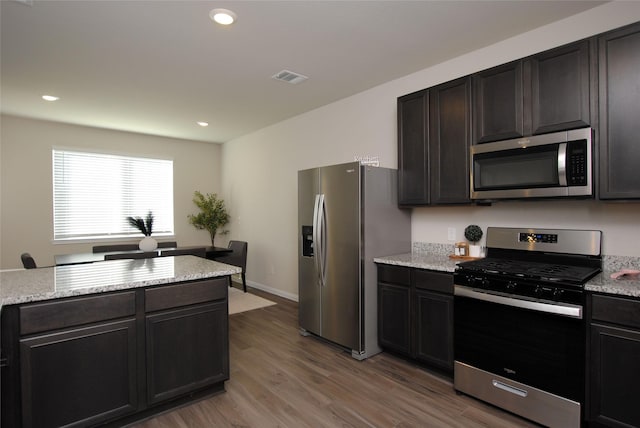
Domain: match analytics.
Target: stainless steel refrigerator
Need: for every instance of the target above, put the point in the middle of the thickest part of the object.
(347, 215)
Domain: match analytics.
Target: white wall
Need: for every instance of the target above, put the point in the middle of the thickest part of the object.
(26, 202)
(260, 170)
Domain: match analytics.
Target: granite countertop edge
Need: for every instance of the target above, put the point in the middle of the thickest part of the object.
(429, 261)
(33, 285)
(603, 283)
(436, 257)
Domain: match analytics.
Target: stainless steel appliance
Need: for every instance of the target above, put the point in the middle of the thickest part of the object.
(519, 328)
(542, 166)
(347, 215)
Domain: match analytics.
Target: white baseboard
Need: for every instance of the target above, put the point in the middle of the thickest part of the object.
(271, 290)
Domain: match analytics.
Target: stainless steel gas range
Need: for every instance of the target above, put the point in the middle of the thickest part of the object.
(519, 329)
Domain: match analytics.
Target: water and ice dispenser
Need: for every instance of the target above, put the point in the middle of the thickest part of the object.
(307, 241)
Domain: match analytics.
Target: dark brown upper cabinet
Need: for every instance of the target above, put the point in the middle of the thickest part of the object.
(449, 141)
(561, 87)
(413, 146)
(619, 95)
(547, 92)
(434, 134)
(497, 111)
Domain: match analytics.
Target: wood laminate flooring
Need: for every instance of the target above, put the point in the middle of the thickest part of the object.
(282, 379)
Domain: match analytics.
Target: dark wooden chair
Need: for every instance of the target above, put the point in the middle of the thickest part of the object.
(237, 257)
(167, 244)
(115, 247)
(27, 261)
(200, 252)
(118, 256)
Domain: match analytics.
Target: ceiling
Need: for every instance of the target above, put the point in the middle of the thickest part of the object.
(157, 67)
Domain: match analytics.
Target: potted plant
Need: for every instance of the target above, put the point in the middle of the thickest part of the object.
(146, 227)
(473, 233)
(212, 216)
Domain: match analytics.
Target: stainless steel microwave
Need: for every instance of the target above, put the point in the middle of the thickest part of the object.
(542, 166)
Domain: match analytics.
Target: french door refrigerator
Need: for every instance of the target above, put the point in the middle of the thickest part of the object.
(347, 215)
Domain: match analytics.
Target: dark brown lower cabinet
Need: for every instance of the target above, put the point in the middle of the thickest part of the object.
(79, 377)
(415, 314)
(614, 376)
(183, 350)
(113, 358)
(434, 331)
(394, 317)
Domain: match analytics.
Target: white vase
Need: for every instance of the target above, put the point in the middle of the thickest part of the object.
(474, 250)
(148, 244)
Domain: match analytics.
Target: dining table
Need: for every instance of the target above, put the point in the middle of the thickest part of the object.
(212, 253)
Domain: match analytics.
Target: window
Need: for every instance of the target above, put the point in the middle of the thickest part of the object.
(94, 193)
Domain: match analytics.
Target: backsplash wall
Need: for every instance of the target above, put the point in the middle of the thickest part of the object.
(619, 222)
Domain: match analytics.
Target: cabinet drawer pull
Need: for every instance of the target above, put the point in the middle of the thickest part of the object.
(509, 388)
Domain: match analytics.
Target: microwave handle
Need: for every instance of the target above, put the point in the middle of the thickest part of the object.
(562, 164)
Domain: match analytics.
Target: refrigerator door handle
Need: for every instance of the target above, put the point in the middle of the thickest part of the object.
(322, 235)
(316, 238)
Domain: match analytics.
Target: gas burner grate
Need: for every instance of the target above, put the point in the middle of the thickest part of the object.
(530, 270)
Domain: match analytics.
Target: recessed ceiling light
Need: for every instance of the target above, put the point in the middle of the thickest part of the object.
(223, 16)
(203, 124)
(50, 98)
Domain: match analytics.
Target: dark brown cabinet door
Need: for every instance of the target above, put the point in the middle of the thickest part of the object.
(394, 308)
(415, 314)
(186, 350)
(449, 142)
(79, 377)
(615, 376)
(434, 329)
(619, 62)
(560, 88)
(413, 147)
(394, 317)
(498, 106)
(547, 92)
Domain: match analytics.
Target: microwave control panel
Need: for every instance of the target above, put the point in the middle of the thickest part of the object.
(577, 163)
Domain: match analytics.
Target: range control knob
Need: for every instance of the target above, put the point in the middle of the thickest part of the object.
(557, 293)
(511, 286)
(486, 283)
(471, 280)
(538, 291)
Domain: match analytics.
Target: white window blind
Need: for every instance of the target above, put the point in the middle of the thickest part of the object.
(94, 193)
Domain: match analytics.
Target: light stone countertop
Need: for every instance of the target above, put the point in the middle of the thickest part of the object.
(421, 260)
(30, 285)
(435, 257)
(624, 286)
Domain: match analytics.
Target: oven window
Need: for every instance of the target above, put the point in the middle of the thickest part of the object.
(538, 349)
(516, 169)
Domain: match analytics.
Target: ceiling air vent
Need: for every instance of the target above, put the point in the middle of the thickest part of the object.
(289, 77)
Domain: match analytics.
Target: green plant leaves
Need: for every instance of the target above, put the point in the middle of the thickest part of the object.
(212, 216)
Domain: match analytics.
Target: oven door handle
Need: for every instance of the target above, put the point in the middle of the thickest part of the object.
(567, 310)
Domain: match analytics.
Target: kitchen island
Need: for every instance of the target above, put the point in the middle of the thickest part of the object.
(112, 342)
